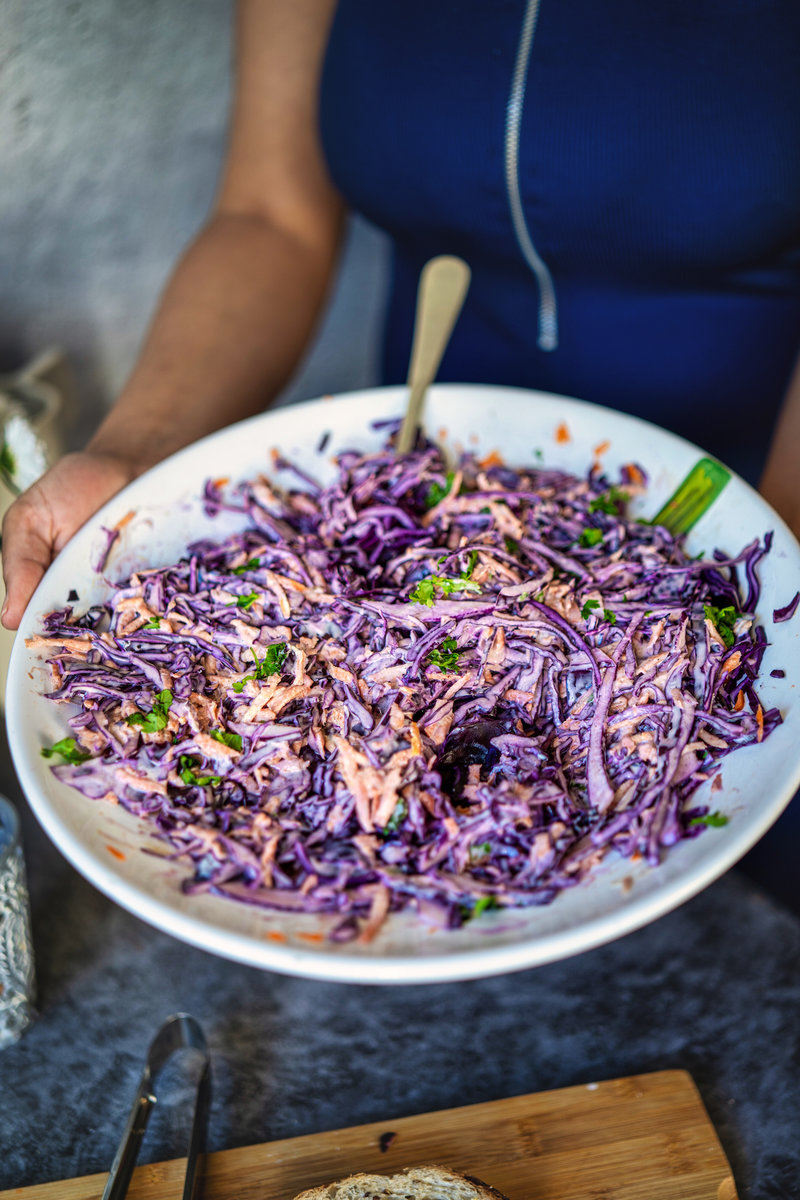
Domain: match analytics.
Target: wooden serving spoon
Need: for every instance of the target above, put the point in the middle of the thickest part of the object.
(443, 285)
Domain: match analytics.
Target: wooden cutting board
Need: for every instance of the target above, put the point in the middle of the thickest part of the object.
(647, 1137)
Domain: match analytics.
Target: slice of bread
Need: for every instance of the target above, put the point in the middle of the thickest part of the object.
(415, 1183)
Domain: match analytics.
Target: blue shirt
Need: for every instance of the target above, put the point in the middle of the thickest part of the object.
(659, 174)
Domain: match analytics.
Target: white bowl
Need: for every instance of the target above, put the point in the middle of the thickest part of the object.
(105, 843)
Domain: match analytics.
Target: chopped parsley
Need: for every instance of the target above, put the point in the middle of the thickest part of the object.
(252, 565)
(234, 740)
(187, 769)
(723, 620)
(445, 655)
(610, 502)
(511, 546)
(247, 601)
(68, 749)
(714, 820)
(153, 623)
(591, 605)
(273, 660)
(590, 537)
(482, 904)
(471, 565)
(156, 719)
(437, 492)
(426, 589)
(270, 664)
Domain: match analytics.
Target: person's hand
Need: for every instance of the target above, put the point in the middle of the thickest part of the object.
(43, 519)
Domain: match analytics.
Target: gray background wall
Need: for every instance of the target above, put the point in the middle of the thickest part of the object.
(112, 127)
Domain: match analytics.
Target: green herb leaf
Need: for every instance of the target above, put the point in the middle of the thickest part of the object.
(445, 655)
(68, 749)
(426, 589)
(153, 623)
(252, 565)
(156, 719)
(714, 820)
(270, 664)
(590, 537)
(437, 493)
(234, 740)
(188, 773)
(589, 608)
(247, 601)
(424, 592)
(723, 620)
(610, 616)
(272, 661)
(471, 565)
(610, 502)
(484, 903)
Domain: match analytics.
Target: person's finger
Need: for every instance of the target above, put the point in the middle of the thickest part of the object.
(27, 553)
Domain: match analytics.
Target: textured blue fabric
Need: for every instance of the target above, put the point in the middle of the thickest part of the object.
(660, 177)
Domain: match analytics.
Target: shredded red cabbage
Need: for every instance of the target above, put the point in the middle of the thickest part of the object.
(787, 612)
(415, 688)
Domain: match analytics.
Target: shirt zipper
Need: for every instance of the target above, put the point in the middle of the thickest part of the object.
(548, 308)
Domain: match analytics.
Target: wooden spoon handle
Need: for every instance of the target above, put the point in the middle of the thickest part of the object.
(442, 287)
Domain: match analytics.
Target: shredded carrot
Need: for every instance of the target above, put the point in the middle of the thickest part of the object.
(116, 853)
(221, 481)
(492, 460)
(123, 521)
(602, 448)
(562, 433)
(274, 455)
(635, 474)
(732, 662)
(739, 702)
(312, 937)
(760, 723)
(636, 857)
(443, 433)
(275, 935)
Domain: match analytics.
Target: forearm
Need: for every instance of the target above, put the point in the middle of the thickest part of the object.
(231, 326)
(780, 483)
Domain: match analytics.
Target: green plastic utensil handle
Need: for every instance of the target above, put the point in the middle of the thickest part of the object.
(693, 497)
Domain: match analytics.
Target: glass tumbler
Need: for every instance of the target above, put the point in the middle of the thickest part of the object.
(16, 948)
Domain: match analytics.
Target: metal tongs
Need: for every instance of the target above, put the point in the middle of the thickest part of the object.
(179, 1032)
